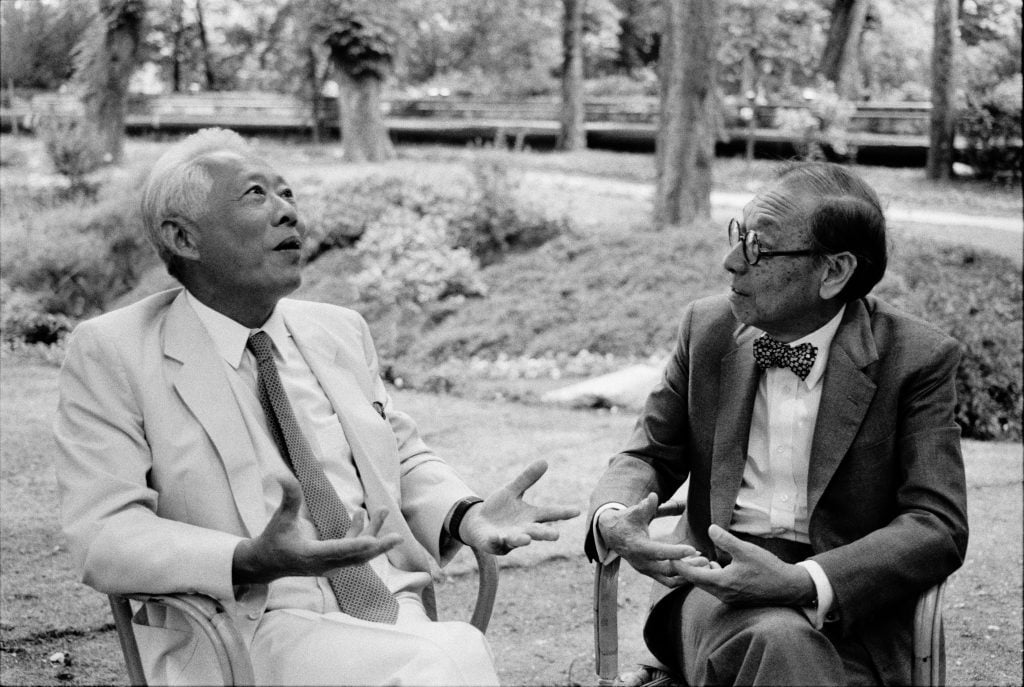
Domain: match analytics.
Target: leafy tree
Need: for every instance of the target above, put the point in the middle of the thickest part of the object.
(572, 135)
(105, 59)
(37, 40)
(685, 141)
(770, 46)
(362, 39)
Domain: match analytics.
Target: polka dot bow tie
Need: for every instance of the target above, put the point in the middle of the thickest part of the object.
(769, 352)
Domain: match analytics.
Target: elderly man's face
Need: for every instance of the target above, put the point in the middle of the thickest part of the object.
(249, 236)
(780, 294)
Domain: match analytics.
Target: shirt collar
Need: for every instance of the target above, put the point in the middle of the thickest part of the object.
(229, 337)
(821, 339)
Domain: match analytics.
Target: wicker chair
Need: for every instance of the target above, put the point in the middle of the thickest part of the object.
(209, 616)
(929, 638)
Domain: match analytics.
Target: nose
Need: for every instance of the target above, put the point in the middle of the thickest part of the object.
(288, 213)
(734, 262)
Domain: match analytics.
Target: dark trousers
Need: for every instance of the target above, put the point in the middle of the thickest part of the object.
(709, 642)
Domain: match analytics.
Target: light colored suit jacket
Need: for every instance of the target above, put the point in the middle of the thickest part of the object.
(886, 488)
(158, 476)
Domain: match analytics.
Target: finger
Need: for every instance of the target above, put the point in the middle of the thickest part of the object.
(702, 577)
(727, 542)
(539, 532)
(528, 477)
(358, 524)
(553, 513)
(657, 550)
(376, 522)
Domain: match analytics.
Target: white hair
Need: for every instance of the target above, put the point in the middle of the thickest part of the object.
(179, 184)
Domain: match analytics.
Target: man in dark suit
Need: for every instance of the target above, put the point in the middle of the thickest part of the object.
(815, 424)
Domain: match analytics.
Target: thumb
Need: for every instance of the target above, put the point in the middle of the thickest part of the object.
(291, 500)
(647, 508)
(726, 541)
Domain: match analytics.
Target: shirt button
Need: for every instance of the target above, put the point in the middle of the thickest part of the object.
(785, 498)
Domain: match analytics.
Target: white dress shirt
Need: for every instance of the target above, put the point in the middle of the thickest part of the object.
(772, 501)
(321, 429)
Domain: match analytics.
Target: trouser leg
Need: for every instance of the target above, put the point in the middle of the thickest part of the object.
(724, 645)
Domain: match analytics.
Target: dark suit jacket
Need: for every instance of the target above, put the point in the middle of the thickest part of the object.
(886, 488)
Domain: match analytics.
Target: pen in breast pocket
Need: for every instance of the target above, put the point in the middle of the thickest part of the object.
(379, 407)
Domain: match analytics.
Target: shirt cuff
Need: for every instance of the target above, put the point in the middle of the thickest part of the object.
(604, 555)
(820, 612)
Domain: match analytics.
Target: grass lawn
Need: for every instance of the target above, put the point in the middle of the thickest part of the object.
(605, 288)
(541, 629)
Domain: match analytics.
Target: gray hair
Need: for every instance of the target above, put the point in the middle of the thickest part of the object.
(179, 183)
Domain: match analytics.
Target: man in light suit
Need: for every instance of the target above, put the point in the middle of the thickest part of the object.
(188, 421)
(815, 426)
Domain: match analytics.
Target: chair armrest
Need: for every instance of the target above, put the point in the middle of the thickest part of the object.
(486, 590)
(204, 612)
(606, 608)
(929, 638)
(606, 621)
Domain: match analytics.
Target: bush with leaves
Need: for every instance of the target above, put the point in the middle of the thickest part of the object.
(494, 222)
(406, 260)
(78, 256)
(824, 122)
(990, 124)
(24, 319)
(74, 149)
(975, 297)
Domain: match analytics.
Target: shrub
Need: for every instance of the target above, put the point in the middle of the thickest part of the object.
(991, 127)
(494, 222)
(486, 218)
(407, 261)
(74, 148)
(976, 298)
(78, 256)
(24, 320)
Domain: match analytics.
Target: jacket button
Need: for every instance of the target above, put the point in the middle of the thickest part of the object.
(253, 616)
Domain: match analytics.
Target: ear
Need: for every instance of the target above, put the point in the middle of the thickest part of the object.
(839, 269)
(179, 239)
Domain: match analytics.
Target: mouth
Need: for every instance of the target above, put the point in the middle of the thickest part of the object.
(290, 243)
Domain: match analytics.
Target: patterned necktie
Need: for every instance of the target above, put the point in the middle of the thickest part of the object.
(359, 590)
(770, 352)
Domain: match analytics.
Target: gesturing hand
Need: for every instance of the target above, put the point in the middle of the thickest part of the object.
(283, 550)
(504, 521)
(755, 577)
(626, 532)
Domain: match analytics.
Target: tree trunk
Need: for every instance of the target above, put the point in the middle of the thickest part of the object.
(685, 142)
(364, 136)
(572, 134)
(178, 9)
(315, 98)
(840, 62)
(942, 126)
(211, 81)
(106, 101)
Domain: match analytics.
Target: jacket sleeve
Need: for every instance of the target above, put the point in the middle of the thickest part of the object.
(654, 459)
(108, 508)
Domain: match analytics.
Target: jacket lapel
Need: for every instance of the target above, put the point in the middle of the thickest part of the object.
(332, 365)
(846, 395)
(198, 376)
(737, 389)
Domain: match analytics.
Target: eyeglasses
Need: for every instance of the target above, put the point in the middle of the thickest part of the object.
(752, 251)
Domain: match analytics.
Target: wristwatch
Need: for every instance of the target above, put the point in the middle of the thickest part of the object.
(459, 511)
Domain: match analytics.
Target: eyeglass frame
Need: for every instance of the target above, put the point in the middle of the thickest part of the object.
(752, 244)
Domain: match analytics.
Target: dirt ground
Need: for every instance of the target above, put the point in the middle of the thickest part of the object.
(541, 630)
